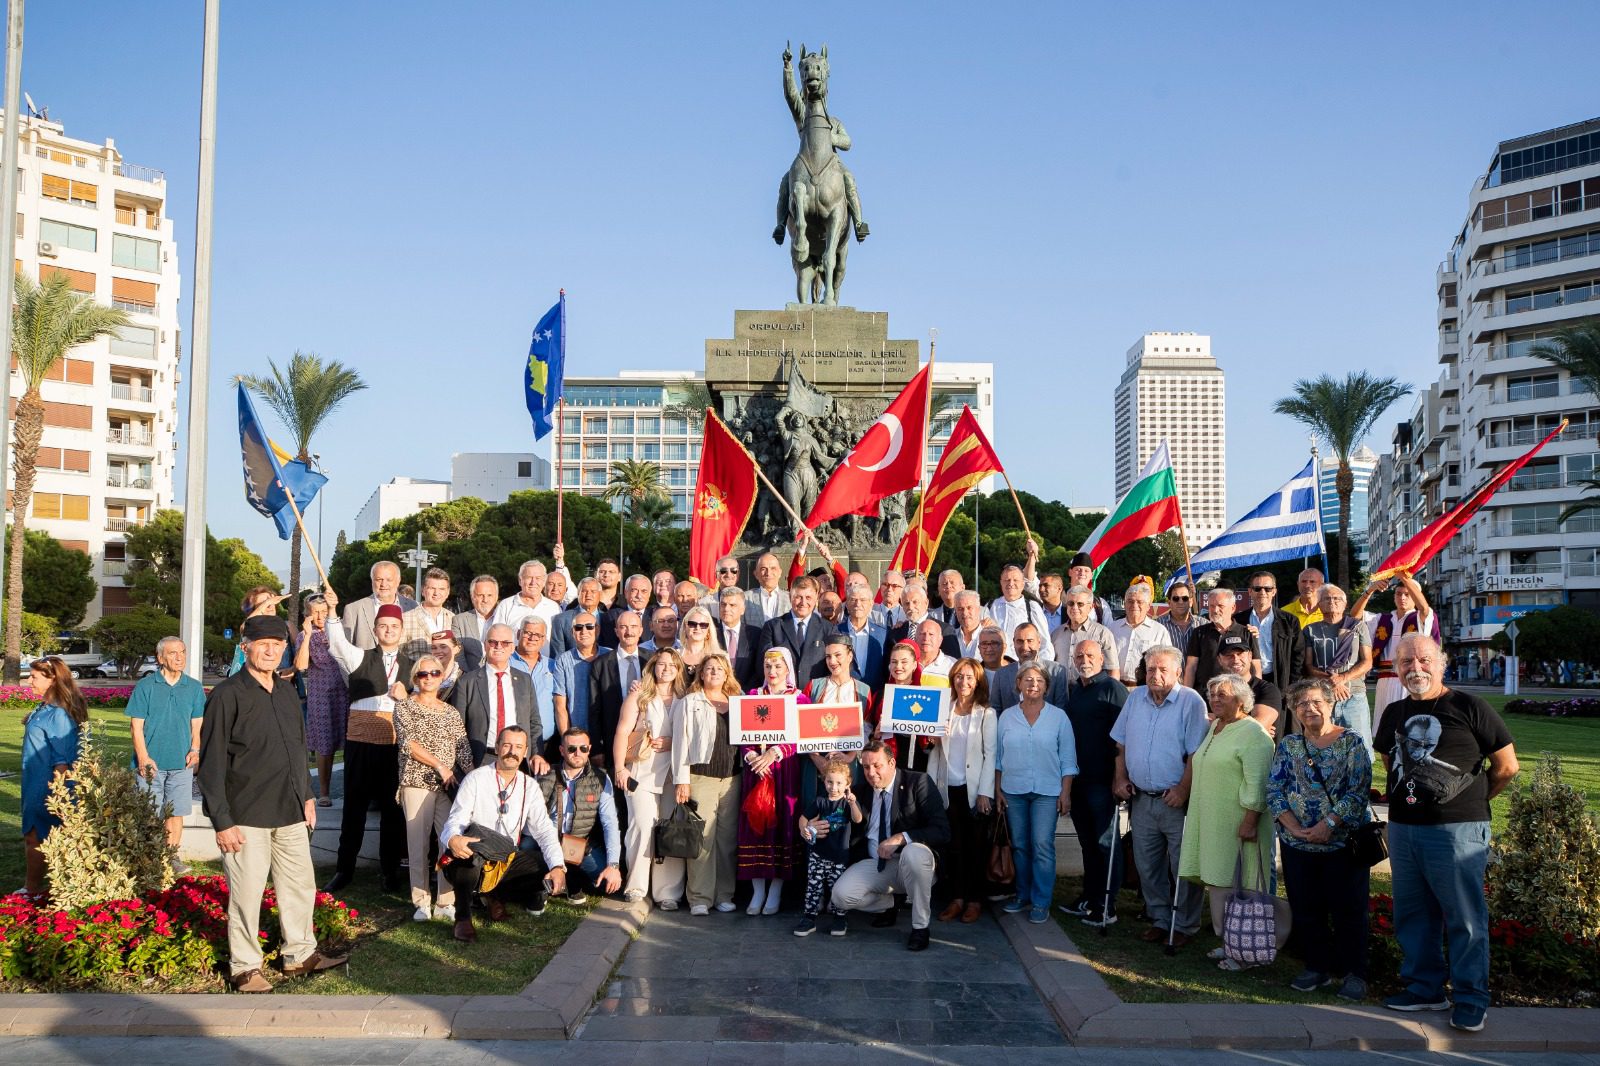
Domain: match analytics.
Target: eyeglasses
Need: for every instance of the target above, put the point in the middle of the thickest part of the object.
(577, 749)
(727, 569)
(1177, 599)
(499, 643)
(583, 625)
(1263, 588)
(697, 625)
(430, 673)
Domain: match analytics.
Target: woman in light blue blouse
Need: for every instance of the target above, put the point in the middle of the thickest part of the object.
(1035, 761)
(1318, 793)
(49, 748)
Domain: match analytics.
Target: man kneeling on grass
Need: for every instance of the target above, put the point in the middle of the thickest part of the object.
(499, 841)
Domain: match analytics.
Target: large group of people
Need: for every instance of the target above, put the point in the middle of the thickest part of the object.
(495, 744)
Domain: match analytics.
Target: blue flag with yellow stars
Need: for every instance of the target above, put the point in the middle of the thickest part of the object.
(919, 710)
(541, 380)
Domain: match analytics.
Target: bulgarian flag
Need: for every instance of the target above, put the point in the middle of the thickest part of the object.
(1150, 507)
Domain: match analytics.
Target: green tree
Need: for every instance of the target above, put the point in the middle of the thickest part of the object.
(128, 636)
(47, 321)
(155, 571)
(1576, 349)
(655, 513)
(1340, 414)
(57, 581)
(304, 396)
(39, 634)
(633, 481)
(1563, 633)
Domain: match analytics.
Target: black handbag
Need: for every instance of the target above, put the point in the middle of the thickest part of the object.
(1369, 842)
(681, 836)
(490, 846)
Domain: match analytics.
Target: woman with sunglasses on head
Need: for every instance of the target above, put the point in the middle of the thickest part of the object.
(434, 756)
(697, 640)
(643, 758)
(49, 748)
(327, 699)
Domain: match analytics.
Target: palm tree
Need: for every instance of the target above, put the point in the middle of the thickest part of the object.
(1576, 349)
(1340, 414)
(48, 319)
(654, 514)
(303, 396)
(635, 481)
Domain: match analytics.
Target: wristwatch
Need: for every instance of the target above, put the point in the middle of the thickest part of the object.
(1331, 823)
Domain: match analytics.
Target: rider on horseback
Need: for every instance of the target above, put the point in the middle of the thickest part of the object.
(815, 66)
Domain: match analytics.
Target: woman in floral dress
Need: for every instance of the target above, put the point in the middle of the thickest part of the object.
(327, 700)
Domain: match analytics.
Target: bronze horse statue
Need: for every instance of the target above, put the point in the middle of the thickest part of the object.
(817, 197)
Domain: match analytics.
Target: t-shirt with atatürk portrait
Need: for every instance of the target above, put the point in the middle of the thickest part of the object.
(1434, 741)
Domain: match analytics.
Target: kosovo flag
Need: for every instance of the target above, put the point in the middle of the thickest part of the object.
(920, 710)
(268, 469)
(547, 356)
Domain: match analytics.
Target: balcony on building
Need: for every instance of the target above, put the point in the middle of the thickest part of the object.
(131, 433)
(125, 476)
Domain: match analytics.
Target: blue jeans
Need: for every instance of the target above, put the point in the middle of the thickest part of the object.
(171, 788)
(1032, 818)
(1354, 713)
(1438, 893)
(594, 862)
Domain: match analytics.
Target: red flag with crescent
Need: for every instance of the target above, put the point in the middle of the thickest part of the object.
(967, 459)
(724, 496)
(886, 460)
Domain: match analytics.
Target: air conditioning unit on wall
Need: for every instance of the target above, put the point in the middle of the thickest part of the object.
(47, 250)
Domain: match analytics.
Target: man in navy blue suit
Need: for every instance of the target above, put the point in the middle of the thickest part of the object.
(867, 635)
(801, 630)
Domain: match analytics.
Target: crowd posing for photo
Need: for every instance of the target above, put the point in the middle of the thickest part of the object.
(495, 743)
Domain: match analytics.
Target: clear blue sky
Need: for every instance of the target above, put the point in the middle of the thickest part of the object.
(405, 186)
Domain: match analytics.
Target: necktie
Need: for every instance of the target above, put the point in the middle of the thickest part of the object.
(732, 641)
(627, 673)
(800, 629)
(883, 824)
(499, 704)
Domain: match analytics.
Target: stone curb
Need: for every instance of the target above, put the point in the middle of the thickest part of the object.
(551, 1007)
(1091, 1015)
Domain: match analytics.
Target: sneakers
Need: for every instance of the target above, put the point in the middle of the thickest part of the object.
(1311, 980)
(700, 910)
(1078, 909)
(1038, 915)
(726, 907)
(445, 913)
(633, 895)
(422, 914)
(668, 904)
(1354, 989)
(1015, 906)
(805, 926)
(840, 926)
(1100, 921)
(1467, 1017)
(578, 898)
(1406, 1001)
(536, 908)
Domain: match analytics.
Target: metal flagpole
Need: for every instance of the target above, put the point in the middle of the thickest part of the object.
(1316, 497)
(8, 237)
(922, 453)
(193, 591)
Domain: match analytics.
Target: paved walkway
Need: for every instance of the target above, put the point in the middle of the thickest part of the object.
(736, 978)
(292, 1051)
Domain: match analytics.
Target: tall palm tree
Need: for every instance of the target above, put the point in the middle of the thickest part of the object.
(654, 513)
(304, 396)
(1340, 414)
(635, 481)
(48, 320)
(1576, 349)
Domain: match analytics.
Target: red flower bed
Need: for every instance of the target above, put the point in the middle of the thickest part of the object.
(98, 696)
(181, 931)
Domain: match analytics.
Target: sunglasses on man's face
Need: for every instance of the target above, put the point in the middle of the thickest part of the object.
(1177, 599)
(1263, 588)
(576, 626)
(577, 749)
(499, 643)
(430, 673)
(728, 570)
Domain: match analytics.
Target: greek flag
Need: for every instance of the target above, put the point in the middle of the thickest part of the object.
(1285, 525)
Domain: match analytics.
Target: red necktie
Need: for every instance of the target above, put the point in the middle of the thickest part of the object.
(499, 704)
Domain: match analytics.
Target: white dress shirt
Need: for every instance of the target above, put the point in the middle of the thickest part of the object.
(493, 677)
(512, 610)
(627, 661)
(772, 603)
(1009, 614)
(478, 800)
(1133, 641)
(1264, 637)
(875, 832)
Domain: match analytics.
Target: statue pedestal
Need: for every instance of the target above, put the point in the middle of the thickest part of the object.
(800, 386)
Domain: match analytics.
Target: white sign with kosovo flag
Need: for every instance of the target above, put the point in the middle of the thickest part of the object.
(915, 710)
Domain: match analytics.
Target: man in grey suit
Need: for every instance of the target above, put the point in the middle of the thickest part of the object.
(359, 616)
(470, 627)
(494, 696)
(767, 600)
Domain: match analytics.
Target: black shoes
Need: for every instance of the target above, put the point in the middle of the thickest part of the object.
(918, 940)
(338, 881)
(886, 919)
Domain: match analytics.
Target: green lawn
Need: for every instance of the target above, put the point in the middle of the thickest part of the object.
(1576, 740)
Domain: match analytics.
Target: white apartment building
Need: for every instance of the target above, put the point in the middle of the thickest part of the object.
(1525, 262)
(634, 416)
(1173, 390)
(401, 497)
(107, 456)
(493, 476)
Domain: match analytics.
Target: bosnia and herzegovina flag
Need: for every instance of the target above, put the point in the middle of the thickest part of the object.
(921, 710)
(547, 356)
(268, 469)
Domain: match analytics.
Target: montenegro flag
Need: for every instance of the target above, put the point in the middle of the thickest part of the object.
(724, 497)
(968, 458)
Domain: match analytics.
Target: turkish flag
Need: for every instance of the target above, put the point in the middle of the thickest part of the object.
(886, 460)
(724, 496)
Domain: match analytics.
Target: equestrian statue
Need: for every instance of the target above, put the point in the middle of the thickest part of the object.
(817, 197)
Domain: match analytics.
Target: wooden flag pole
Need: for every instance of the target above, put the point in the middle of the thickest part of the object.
(922, 451)
(1025, 530)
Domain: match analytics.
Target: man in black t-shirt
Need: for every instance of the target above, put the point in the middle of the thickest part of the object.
(1434, 744)
(1206, 640)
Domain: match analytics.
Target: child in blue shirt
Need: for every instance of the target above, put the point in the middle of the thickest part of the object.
(825, 827)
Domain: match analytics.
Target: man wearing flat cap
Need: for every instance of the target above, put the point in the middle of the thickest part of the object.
(375, 679)
(256, 789)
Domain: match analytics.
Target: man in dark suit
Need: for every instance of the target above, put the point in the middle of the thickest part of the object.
(867, 636)
(801, 631)
(360, 615)
(561, 625)
(471, 626)
(635, 598)
(951, 584)
(742, 642)
(896, 845)
(493, 696)
(610, 677)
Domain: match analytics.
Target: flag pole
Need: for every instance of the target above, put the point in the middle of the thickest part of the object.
(922, 452)
(799, 523)
(561, 401)
(304, 536)
(1025, 530)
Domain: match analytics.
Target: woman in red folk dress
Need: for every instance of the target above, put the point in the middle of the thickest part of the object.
(769, 845)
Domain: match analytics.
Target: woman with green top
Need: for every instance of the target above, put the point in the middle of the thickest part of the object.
(1317, 792)
(1226, 801)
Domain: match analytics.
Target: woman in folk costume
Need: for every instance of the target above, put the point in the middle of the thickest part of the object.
(1411, 614)
(838, 686)
(769, 843)
(903, 668)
